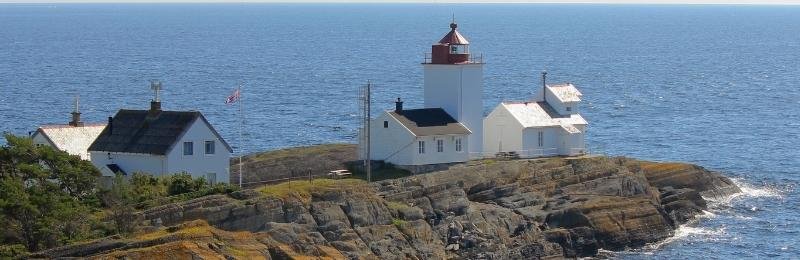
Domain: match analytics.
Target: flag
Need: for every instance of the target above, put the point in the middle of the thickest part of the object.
(233, 97)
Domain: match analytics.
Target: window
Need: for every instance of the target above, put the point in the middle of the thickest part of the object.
(385, 124)
(421, 147)
(569, 109)
(188, 148)
(541, 138)
(209, 147)
(458, 144)
(440, 145)
(211, 177)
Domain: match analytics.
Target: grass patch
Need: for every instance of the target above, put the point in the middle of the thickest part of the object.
(383, 171)
(398, 222)
(304, 189)
(664, 167)
(395, 205)
(295, 152)
(382, 174)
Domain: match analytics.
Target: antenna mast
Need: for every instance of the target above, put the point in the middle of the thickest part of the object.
(155, 85)
(364, 106)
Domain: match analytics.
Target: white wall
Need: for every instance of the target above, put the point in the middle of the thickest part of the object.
(392, 144)
(448, 154)
(39, 139)
(131, 162)
(501, 129)
(458, 89)
(397, 145)
(200, 164)
(573, 144)
(550, 146)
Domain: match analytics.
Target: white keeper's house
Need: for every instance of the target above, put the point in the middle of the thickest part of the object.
(547, 125)
(413, 138)
(73, 138)
(161, 142)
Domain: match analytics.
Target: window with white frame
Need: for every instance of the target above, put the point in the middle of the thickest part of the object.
(440, 145)
(421, 147)
(458, 144)
(210, 147)
(541, 138)
(188, 148)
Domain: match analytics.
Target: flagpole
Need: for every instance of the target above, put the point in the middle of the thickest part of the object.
(241, 140)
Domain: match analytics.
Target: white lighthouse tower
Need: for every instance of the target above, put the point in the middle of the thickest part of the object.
(454, 82)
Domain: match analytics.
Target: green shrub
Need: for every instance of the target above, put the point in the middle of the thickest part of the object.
(398, 222)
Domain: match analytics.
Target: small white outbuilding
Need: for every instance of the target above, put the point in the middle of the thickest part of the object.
(73, 138)
(547, 126)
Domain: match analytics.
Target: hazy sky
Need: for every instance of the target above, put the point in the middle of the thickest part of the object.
(793, 2)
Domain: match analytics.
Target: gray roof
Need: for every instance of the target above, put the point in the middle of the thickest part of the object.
(140, 131)
(429, 121)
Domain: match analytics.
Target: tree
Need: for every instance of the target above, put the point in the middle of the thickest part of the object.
(120, 201)
(42, 191)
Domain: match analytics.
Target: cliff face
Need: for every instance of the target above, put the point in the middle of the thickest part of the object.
(519, 209)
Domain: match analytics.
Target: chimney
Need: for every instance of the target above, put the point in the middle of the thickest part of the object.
(76, 119)
(398, 106)
(76, 115)
(110, 125)
(155, 104)
(544, 86)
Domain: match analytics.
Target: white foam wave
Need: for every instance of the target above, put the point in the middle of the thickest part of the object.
(748, 191)
(753, 191)
(688, 231)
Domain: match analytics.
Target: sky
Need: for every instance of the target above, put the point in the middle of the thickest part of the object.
(791, 2)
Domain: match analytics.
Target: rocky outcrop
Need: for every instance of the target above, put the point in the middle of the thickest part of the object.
(520, 209)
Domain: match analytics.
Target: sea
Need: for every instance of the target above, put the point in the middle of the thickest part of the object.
(714, 85)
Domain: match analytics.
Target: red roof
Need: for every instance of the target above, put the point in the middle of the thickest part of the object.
(453, 37)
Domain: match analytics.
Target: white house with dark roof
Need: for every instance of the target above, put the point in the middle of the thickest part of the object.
(548, 125)
(73, 138)
(417, 137)
(161, 142)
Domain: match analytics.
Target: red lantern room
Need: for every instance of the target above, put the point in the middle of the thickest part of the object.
(453, 48)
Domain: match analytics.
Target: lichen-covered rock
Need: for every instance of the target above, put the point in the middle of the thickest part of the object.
(520, 209)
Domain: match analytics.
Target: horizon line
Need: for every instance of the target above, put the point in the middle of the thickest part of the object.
(749, 3)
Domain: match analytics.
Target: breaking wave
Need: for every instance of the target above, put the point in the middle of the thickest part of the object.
(691, 231)
(748, 191)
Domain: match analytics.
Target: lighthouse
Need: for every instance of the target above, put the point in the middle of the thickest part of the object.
(454, 82)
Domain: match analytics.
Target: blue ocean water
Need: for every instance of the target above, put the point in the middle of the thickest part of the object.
(712, 85)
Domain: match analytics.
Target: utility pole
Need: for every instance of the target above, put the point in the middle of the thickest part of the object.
(367, 118)
(365, 103)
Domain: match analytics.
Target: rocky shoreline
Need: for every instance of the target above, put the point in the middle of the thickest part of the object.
(519, 209)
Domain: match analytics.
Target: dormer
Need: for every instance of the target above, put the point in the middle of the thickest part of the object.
(564, 98)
